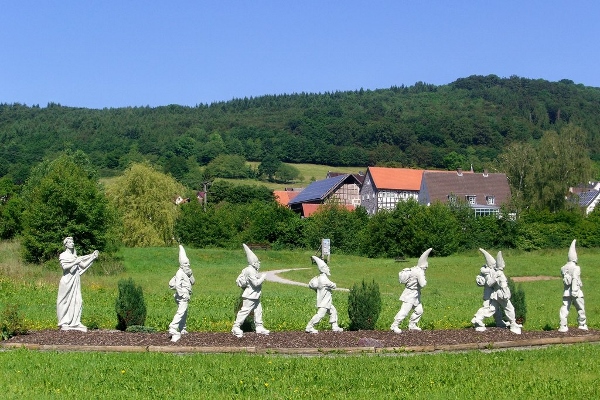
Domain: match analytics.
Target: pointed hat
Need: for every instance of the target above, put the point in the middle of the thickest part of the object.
(320, 263)
(572, 256)
(423, 259)
(252, 259)
(500, 261)
(489, 260)
(182, 256)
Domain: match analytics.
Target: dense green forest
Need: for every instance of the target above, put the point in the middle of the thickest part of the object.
(469, 122)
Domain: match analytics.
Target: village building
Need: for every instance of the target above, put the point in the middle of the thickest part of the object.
(384, 187)
(484, 192)
(587, 197)
(343, 190)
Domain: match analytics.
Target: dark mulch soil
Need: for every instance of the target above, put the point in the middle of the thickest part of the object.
(293, 339)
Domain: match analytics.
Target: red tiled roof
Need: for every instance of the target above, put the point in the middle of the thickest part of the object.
(283, 197)
(396, 178)
(308, 209)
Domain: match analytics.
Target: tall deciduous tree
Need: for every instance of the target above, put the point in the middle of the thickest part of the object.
(540, 176)
(518, 162)
(563, 161)
(269, 166)
(64, 199)
(145, 200)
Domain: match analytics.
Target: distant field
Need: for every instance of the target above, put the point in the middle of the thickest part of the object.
(308, 172)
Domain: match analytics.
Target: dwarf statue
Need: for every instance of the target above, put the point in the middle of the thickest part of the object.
(323, 286)
(572, 293)
(182, 284)
(414, 279)
(251, 281)
(496, 295)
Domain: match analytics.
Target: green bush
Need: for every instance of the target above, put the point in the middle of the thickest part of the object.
(12, 323)
(130, 305)
(364, 306)
(517, 298)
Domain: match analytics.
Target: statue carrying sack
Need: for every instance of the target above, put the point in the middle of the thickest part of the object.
(241, 280)
(404, 275)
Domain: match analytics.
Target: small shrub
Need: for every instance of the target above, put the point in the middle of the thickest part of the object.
(517, 298)
(13, 323)
(248, 325)
(364, 306)
(130, 305)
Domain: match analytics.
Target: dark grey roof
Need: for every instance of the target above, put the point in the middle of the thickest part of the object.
(318, 190)
(437, 185)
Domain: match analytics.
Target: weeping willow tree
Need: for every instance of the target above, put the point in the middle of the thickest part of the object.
(144, 198)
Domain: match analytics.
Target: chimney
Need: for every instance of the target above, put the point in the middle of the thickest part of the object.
(485, 173)
(459, 171)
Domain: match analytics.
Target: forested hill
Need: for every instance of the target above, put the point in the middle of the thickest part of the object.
(470, 121)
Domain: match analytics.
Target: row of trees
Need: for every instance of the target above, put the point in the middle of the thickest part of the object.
(63, 197)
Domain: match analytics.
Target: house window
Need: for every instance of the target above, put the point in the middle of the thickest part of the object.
(490, 200)
(451, 199)
(471, 199)
(481, 212)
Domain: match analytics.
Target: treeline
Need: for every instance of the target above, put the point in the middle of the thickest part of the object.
(402, 232)
(467, 122)
(63, 197)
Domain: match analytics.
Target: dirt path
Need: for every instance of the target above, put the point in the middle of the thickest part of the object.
(534, 278)
(273, 276)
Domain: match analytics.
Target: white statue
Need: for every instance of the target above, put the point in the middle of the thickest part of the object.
(496, 295)
(182, 284)
(487, 280)
(572, 293)
(501, 296)
(414, 279)
(323, 286)
(69, 302)
(251, 281)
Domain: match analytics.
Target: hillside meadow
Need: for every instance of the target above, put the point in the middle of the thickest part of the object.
(308, 174)
(450, 298)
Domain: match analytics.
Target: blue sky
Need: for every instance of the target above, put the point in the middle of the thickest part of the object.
(107, 53)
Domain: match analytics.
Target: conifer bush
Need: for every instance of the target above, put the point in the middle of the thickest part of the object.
(364, 306)
(12, 322)
(130, 305)
(517, 298)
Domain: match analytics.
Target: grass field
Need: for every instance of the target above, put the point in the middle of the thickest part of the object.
(558, 372)
(450, 299)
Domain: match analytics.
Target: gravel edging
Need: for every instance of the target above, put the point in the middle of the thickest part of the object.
(538, 342)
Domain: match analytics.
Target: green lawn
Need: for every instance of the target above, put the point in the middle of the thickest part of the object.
(450, 298)
(557, 372)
